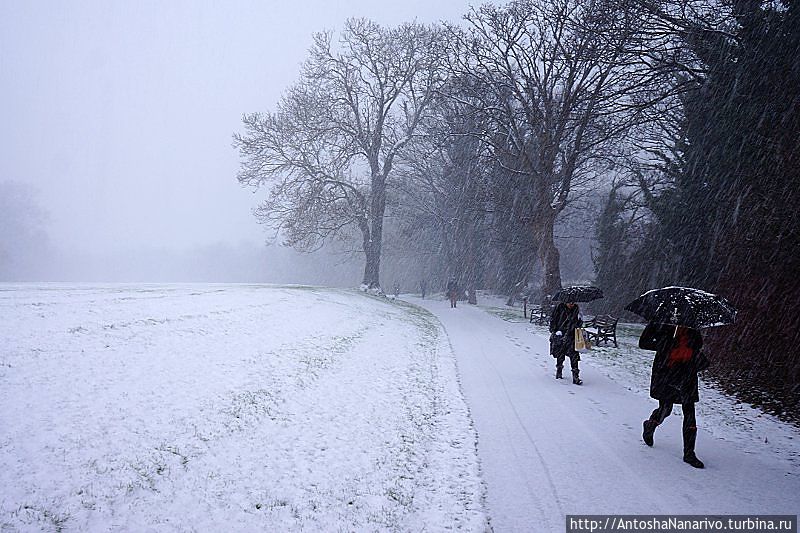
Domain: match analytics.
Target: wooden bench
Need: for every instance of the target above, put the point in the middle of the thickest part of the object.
(605, 329)
(541, 316)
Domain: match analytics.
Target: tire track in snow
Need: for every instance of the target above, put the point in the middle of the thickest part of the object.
(521, 491)
(539, 455)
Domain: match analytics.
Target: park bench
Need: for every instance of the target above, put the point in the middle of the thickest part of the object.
(541, 314)
(605, 329)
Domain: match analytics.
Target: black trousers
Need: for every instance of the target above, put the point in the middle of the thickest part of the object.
(664, 409)
(574, 357)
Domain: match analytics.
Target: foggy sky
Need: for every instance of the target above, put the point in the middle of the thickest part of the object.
(119, 114)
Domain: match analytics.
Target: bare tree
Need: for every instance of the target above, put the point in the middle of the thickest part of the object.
(444, 193)
(328, 152)
(564, 78)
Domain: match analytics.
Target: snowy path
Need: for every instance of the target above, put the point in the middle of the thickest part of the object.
(549, 448)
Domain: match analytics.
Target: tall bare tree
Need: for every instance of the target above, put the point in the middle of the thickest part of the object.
(328, 152)
(563, 78)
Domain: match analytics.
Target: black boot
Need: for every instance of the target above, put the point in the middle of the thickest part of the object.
(689, 438)
(647, 433)
(575, 379)
(559, 368)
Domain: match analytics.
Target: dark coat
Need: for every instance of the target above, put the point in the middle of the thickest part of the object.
(676, 383)
(564, 320)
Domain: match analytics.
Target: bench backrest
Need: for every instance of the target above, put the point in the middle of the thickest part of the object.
(605, 321)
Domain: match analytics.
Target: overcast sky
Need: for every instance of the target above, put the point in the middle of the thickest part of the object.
(120, 113)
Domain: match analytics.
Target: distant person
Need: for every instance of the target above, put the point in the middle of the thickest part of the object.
(396, 290)
(423, 287)
(677, 361)
(563, 321)
(452, 292)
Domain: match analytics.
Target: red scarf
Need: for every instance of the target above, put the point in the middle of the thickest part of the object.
(681, 353)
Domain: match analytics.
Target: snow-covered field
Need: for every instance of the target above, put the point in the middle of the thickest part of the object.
(268, 408)
(229, 408)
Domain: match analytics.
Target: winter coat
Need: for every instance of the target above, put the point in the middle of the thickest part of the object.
(452, 287)
(673, 380)
(564, 320)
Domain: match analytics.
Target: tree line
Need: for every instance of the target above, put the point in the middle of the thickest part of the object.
(667, 131)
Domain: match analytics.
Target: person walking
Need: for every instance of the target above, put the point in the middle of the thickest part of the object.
(452, 292)
(678, 359)
(563, 321)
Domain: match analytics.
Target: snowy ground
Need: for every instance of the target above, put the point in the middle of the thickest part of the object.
(549, 448)
(720, 414)
(257, 408)
(229, 408)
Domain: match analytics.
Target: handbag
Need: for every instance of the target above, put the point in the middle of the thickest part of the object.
(557, 344)
(582, 340)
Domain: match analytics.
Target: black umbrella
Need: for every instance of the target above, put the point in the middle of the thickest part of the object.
(683, 306)
(577, 293)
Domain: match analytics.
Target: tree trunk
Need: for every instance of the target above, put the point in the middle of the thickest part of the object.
(372, 249)
(471, 271)
(549, 256)
(372, 266)
(515, 292)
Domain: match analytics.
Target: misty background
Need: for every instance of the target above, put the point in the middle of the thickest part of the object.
(116, 161)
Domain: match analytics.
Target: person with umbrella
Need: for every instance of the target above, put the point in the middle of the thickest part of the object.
(674, 380)
(675, 316)
(563, 322)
